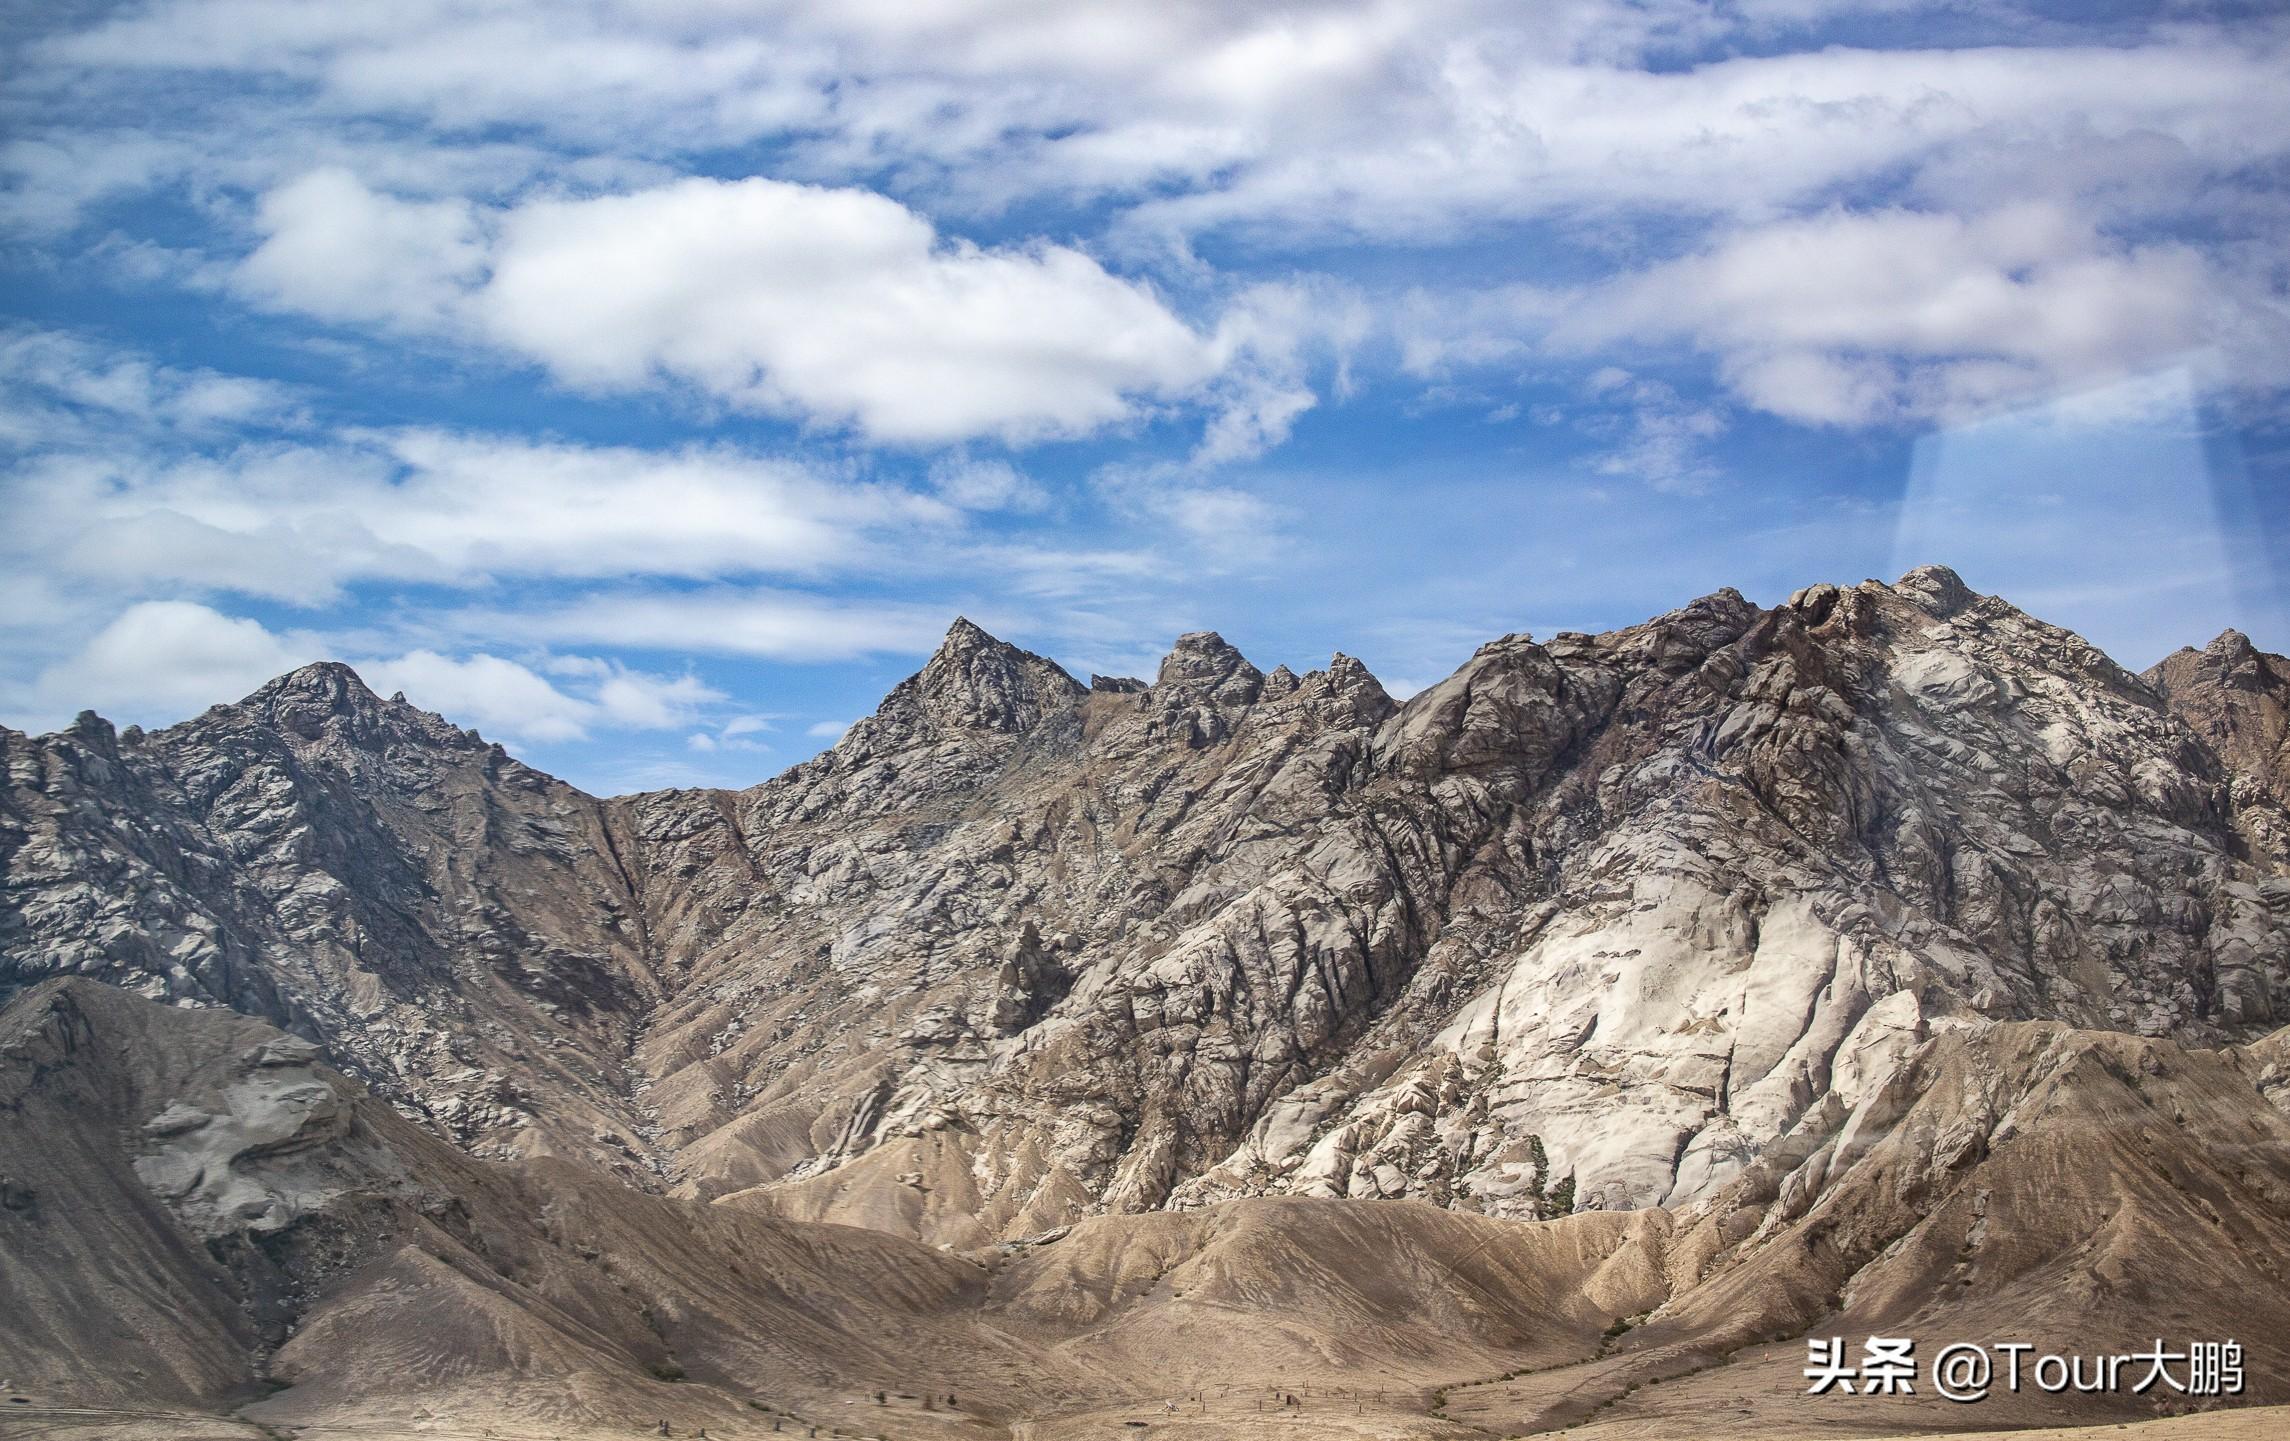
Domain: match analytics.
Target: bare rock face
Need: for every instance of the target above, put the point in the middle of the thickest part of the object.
(2237, 698)
(220, 1223)
(446, 921)
(2020, 1179)
(1594, 922)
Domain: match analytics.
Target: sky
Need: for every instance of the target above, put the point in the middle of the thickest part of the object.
(649, 383)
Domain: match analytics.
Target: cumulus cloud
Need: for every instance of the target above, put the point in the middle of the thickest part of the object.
(830, 305)
(161, 660)
(495, 695)
(1851, 317)
(334, 249)
(1156, 126)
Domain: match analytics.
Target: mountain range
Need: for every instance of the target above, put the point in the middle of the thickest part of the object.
(1559, 1047)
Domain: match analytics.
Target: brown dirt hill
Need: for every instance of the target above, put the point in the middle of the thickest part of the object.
(201, 1216)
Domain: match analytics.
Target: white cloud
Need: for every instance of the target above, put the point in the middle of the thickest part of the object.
(299, 521)
(829, 731)
(1425, 123)
(840, 306)
(985, 485)
(1661, 435)
(1258, 415)
(1369, 115)
(1852, 317)
(749, 621)
(736, 734)
(587, 71)
(54, 179)
(334, 249)
(836, 306)
(1273, 335)
(499, 697)
(58, 389)
(161, 660)
(1503, 124)
(633, 699)
(1220, 516)
(1441, 332)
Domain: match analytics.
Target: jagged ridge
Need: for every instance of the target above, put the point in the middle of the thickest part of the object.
(1619, 908)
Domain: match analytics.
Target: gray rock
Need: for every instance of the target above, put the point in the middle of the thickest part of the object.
(1599, 921)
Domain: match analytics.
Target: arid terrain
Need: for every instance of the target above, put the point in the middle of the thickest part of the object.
(1232, 1054)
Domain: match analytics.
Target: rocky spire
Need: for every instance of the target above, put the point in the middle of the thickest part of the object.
(2229, 663)
(1355, 687)
(1936, 589)
(327, 686)
(2232, 646)
(975, 682)
(328, 698)
(1204, 666)
(321, 698)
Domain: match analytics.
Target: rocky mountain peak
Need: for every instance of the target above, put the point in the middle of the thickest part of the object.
(1348, 673)
(304, 701)
(328, 699)
(2237, 698)
(1356, 688)
(1936, 588)
(1618, 908)
(329, 685)
(2230, 661)
(94, 730)
(2232, 654)
(1205, 666)
(967, 635)
(976, 682)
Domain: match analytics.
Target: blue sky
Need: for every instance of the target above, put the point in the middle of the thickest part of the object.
(649, 385)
